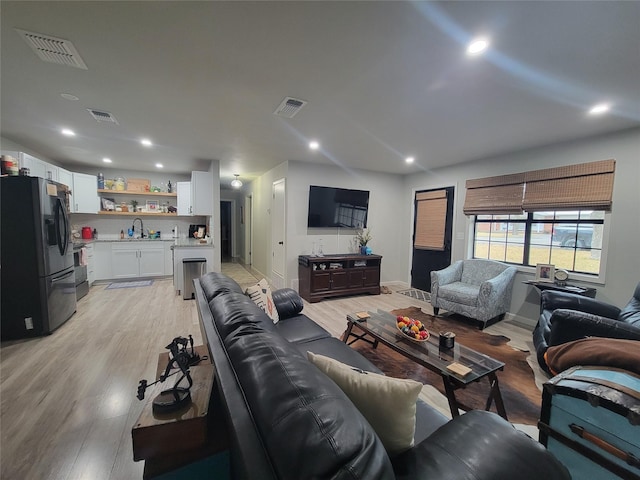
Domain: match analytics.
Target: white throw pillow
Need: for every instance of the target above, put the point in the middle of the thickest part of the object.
(388, 404)
(261, 295)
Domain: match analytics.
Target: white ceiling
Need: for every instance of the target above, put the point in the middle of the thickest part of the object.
(384, 80)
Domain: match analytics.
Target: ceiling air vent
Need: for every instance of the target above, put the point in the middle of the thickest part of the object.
(289, 107)
(52, 49)
(101, 116)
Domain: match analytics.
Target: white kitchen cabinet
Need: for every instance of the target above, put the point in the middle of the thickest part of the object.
(183, 190)
(152, 260)
(91, 274)
(168, 258)
(66, 178)
(137, 259)
(85, 195)
(51, 172)
(196, 197)
(102, 261)
(124, 261)
(201, 193)
(37, 167)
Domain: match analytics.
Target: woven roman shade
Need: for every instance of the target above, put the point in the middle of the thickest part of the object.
(573, 187)
(431, 216)
(494, 195)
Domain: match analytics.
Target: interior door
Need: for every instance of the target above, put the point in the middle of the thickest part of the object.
(278, 234)
(432, 229)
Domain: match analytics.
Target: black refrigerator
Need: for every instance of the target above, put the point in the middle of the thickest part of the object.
(36, 256)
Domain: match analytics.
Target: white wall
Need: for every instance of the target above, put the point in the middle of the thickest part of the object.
(383, 219)
(623, 261)
(261, 191)
(214, 221)
(385, 201)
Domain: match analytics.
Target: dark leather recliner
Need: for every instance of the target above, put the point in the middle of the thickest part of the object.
(565, 317)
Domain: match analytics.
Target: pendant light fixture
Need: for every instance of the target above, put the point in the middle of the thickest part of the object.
(236, 183)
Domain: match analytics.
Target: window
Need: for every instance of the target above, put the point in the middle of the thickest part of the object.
(347, 215)
(570, 240)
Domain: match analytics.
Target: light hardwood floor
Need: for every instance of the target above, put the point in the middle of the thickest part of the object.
(68, 401)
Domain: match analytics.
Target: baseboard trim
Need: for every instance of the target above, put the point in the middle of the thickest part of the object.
(520, 321)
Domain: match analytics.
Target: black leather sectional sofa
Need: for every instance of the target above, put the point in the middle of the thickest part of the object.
(565, 317)
(287, 420)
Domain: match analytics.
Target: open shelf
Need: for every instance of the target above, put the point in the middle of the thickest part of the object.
(138, 214)
(147, 194)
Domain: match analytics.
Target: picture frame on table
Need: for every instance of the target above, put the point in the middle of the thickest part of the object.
(152, 206)
(545, 272)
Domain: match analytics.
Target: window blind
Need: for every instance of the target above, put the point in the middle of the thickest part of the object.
(582, 186)
(494, 195)
(431, 215)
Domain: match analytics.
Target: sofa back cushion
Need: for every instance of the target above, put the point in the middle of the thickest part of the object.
(475, 271)
(309, 427)
(631, 312)
(234, 310)
(214, 284)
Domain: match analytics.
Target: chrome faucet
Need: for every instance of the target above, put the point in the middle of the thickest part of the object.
(133, 227)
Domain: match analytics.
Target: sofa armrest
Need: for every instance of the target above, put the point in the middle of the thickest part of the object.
(287, 302)
(478, 445)
(450, 274)
(494, 289)
(553, 300)
(569, 325)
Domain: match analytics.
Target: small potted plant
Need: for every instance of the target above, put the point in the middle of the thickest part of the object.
(362, 238)
(134, 204)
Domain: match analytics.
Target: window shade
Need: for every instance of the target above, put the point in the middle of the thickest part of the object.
(572, 187)
(583, 186)
(431, 215)
(494, 195)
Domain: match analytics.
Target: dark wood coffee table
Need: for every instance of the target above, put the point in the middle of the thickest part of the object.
(380, 327)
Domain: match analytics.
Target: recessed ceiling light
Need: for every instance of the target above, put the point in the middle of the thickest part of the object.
(68, 96)
(477, 46)
(599, 109)
(146, 142)
(409, 159)
(313, 145)
(106, 160)
(68, 132)
(159, 165)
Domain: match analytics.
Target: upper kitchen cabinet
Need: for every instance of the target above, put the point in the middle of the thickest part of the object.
(37, 168)
(196, 198)
(65, 177)
(85, 195)
(184, 198)
(51, 172)
(202, 193)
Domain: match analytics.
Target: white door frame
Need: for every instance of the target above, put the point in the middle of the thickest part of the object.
(278, 236)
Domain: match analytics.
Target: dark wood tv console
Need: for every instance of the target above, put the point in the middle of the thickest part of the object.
(338, 275)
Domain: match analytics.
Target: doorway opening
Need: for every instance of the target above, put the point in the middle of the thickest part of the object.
(226, 231)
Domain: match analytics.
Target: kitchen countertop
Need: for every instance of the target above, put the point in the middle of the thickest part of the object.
(189, 242)
(176, 242)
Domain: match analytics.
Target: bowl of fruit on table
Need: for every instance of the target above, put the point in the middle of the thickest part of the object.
(413, 329)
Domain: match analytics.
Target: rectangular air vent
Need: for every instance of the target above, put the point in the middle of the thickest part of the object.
(289, 107)
(101, 116)
(52, 49)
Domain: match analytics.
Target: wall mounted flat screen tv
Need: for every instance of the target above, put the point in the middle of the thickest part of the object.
(337, 207)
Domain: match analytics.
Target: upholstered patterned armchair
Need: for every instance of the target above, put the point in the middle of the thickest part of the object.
(475, 288)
